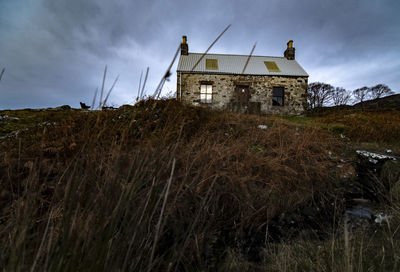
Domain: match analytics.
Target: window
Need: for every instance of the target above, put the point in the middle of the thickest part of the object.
(271, 66)
(205, 93)
(278, 95)
(211, 64)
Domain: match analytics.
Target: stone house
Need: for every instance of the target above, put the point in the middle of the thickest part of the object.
(242, 83)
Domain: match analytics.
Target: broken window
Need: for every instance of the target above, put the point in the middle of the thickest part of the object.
(278, 95)
(271, 66)
(211, 64)
(205, 93)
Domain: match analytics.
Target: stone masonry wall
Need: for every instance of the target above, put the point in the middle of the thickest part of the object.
(260, 87)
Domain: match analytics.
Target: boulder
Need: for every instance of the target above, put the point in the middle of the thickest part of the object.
(63, 107)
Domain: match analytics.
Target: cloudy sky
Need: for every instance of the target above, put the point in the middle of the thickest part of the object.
(54, 51)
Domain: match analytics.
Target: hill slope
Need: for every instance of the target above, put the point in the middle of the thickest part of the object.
(163, 185)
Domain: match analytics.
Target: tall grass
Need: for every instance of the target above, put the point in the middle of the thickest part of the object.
(365, 126)
(373, 248)
(160, 187)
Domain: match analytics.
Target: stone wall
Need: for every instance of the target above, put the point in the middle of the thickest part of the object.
(260, 87)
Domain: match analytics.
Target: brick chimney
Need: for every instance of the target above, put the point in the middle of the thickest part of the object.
(184, 46)
(289, 52)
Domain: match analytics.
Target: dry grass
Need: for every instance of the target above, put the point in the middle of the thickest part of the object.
(365, 126)
(158, 187)
(374, 248)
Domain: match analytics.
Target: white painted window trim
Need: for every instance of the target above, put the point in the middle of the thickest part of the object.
(206, 93)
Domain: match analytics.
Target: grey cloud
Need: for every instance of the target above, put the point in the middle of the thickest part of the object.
(55, 51)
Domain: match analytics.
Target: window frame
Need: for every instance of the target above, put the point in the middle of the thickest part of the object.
(276, 97)
(211, 64)
(272, 66)
(206, 90)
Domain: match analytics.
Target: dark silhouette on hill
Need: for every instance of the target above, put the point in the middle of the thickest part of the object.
(84, 106)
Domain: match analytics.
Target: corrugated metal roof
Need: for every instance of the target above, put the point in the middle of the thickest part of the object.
(234, 64)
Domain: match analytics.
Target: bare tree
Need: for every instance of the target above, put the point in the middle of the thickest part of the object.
(380, 90)
(340, 96)
(361, 94)
(318, 94)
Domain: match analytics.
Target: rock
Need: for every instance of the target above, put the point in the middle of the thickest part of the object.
(360, 215)
(6, 117)
(359, 212)
(380, 217)
(374, 157)
(84, 106)
(64, 107)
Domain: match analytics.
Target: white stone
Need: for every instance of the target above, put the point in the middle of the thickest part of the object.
(374, 156)
(382, 218)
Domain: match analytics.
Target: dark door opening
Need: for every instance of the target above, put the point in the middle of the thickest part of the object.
(241, 101)
(242, 94)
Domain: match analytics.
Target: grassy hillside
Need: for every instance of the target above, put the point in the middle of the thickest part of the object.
(167, 187)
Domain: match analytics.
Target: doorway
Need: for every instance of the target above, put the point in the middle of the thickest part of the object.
(242, 94)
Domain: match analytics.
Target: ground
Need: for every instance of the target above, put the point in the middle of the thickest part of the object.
(163, 186)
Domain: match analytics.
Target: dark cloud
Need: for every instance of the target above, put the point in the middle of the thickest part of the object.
(55, 51)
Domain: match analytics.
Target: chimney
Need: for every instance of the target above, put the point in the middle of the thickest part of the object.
(289, 52)
(184, 46)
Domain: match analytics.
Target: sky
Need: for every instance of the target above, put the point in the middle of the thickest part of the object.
(54, 51)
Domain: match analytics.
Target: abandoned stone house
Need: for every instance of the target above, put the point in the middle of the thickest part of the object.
(242, 83)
